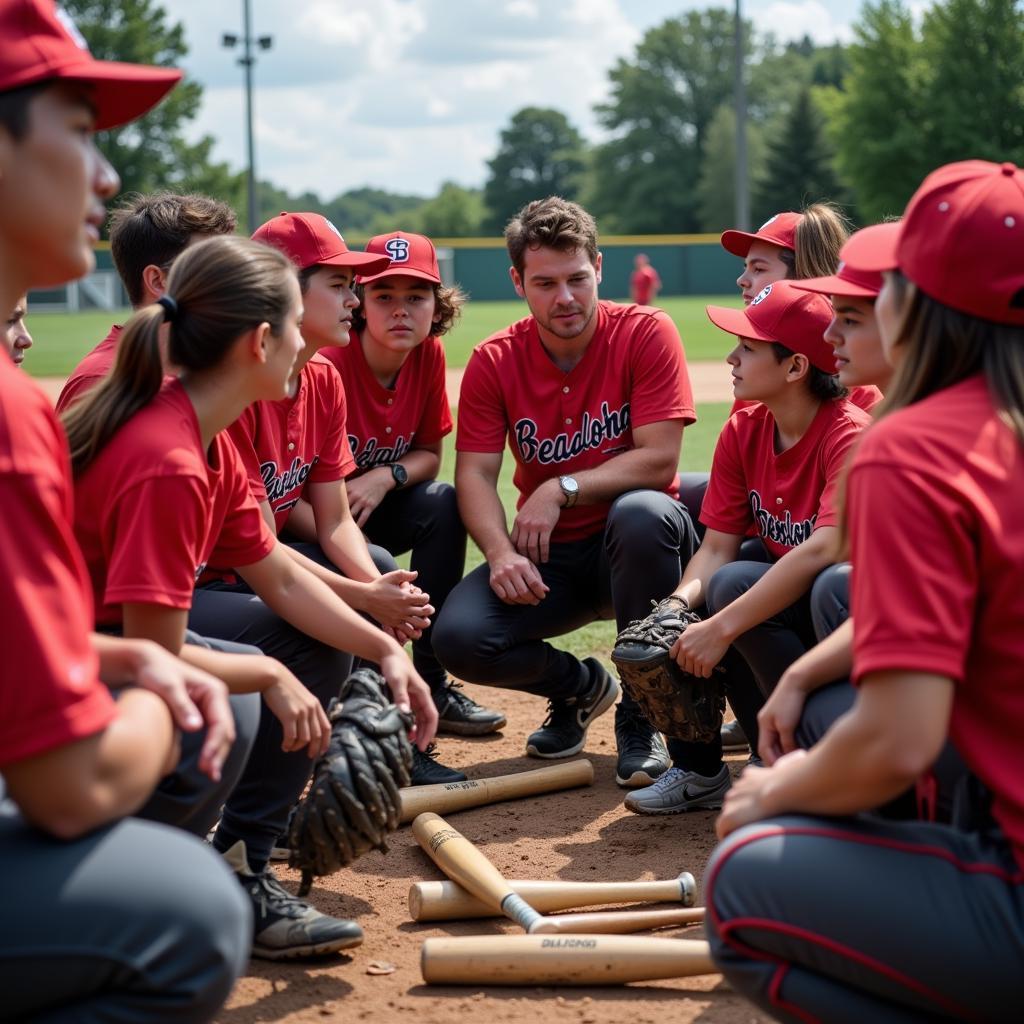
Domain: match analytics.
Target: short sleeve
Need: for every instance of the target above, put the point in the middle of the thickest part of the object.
(915, 583)
(242, 434)
(835, 456)
(244, 537)
(726, 505)
(660, 387)
(436, 421)
(483, 422)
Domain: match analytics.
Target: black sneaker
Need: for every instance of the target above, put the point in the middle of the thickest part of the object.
(460, 715)
(428, 771)
(734, 738)
(285, 927)
(565, 729)
(643, 756)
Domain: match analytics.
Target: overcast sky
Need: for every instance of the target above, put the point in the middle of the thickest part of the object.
(406, 94)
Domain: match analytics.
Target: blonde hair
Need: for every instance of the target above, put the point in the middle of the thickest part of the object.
(822, 230)
(221, 288)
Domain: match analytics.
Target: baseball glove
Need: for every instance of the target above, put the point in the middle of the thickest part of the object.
(677, 703)
(353, 800)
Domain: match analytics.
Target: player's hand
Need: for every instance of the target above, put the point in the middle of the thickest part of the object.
(195, 699)
(410, 693)
(534, 522)
(778, 719)
(367, 491)
(746, 800)
(394, 602)
(516, 580)
(700, 648)
(302, 719)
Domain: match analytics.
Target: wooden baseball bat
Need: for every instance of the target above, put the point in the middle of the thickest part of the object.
(561, 959)
(462, 862)
(448, 901)
(456, 796)
(618, 922)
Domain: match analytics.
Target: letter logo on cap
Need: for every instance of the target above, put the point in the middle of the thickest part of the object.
(761, 295)
(334, 229)
(397, 249)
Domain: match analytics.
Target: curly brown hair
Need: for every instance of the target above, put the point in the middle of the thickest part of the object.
(554, 223)
(448, 303)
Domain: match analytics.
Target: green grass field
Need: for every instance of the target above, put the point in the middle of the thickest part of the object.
(63, 338)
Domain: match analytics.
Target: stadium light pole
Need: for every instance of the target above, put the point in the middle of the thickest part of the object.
(742, 208)
(230, 40)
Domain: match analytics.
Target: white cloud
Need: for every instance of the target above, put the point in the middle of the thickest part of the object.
(793, 19)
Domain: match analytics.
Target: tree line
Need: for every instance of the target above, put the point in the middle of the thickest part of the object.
(859, 124)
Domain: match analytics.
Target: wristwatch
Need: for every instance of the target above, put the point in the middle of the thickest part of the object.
(399, 474)
(571, 490)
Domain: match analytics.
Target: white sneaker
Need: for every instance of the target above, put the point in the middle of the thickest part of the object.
(678, 791)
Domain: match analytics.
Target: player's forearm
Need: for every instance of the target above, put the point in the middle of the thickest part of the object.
(639, 469)
(344, 544)
(240, 673)
(706, 561)
(825, 662)
(301, 522)
(782, 585)
(421, 464)
(483, 515)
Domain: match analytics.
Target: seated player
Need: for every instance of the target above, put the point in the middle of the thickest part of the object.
(16, 339)
(394, 368)
(776, 469)
(815, 910)
(296, 450)
(148, 451)
(105, 917)
(592, 397)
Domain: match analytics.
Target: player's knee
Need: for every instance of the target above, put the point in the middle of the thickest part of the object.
(639, 520)
(731, 581)
(382, 558)
(830, 599)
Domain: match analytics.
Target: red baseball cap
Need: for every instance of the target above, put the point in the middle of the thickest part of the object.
(960, 240)
(847, 280)
(310, 239)
(412, 255)
(779, 312)
(778, 230)
(41, 43)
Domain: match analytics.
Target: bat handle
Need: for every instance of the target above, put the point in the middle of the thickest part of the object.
(515, 907)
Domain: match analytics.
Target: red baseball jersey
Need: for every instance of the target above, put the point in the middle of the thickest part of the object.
(935, 499)
(865, 397)
(784, 496)
(385, 423)
(288, 444)
(642, 282)
(632, 373)
(50, 692)
(92, 369)
(153, 509)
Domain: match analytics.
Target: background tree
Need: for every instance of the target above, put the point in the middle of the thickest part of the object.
(455, 212)
(152, 152)
(716, 187)
(540, 154)
(798, 163)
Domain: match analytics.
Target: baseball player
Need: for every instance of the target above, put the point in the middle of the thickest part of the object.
(592, 398)
(16, 339)
(776, 468)
(159, 499)
(815, 914)
(644, 282)
(395, 365)
(105, 917)
(298, 448)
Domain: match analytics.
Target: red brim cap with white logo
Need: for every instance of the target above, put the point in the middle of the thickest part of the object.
(409, 255)
(41, 44)
(311, 240)
(779, 230)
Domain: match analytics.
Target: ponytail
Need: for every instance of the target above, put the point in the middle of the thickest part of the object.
(221, 288)
(133, 382)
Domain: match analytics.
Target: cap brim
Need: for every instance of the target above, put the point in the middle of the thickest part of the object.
(121, 92)
(735, 321)
(835, 285)
(395, 269)
(873, 248)
(368, 261)
(738, 242)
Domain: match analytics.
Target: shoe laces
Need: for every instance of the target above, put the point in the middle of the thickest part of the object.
(430, 753)
(667, 779)
(273, 895)
(459, 699)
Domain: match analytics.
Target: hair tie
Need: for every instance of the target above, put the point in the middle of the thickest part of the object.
(170, 308)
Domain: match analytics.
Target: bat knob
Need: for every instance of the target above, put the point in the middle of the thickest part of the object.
(687, 889)
(542, 927)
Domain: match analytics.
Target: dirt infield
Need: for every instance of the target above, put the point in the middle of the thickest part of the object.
(711, 383)
(583, 834)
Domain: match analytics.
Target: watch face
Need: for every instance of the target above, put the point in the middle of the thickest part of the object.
(399, 472)
(569, 485)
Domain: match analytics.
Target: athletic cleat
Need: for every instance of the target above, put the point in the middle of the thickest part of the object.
(643, 756)
(565, 729)
(677, 791)
(460, 715)
(734, 739)
(285, 927)
(428, 771)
